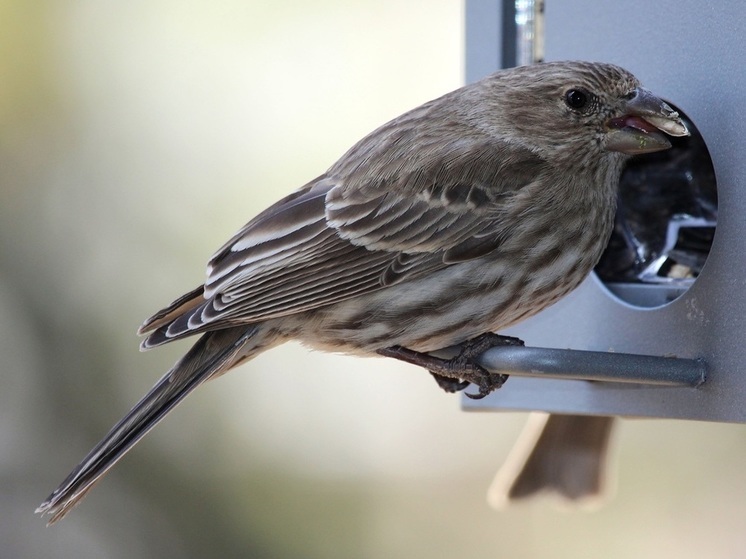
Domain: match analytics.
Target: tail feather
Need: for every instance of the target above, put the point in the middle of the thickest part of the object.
(213, 354)
(182, 305)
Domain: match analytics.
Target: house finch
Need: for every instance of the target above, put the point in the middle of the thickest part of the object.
(456, 219)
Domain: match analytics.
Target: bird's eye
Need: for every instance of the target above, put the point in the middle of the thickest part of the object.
(577, 98)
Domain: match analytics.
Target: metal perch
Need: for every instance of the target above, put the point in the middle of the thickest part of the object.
(594, 365)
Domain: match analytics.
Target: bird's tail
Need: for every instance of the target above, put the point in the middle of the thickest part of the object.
(564, 455)
(213, 354)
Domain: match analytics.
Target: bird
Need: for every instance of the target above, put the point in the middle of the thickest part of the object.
(449, 223)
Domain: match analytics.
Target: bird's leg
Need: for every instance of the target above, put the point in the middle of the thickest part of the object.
(458, 372)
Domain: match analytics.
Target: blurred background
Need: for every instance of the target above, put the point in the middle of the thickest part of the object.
(135, 138)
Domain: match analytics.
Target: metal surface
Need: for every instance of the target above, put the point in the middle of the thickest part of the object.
(682, 50)
(542, 362)
(529, 23)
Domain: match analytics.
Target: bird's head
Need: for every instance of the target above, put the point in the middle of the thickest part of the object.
(583, 106)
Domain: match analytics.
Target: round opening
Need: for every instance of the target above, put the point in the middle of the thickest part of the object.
(665, 223)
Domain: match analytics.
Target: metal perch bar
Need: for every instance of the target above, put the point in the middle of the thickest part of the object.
(594, 365)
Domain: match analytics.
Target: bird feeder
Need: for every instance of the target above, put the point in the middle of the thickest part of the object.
(657, 330)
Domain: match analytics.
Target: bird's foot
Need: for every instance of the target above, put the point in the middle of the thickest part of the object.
(449, 384)
(462, 370)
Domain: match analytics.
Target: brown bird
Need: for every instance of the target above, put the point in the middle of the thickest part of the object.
(459, 218)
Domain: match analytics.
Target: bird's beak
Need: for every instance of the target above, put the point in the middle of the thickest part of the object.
(639, 129)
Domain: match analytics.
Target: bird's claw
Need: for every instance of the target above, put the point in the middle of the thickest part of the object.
(450, 384)
(478, 375)
(489, 383)
(455, 374)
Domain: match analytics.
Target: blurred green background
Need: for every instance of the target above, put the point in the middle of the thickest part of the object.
(135, 138)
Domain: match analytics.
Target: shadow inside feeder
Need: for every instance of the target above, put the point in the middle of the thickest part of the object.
(665, 223)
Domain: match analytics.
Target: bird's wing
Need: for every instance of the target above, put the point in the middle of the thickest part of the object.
(338, 238)
(450, 198)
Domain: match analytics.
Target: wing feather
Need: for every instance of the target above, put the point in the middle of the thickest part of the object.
(343, 235)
